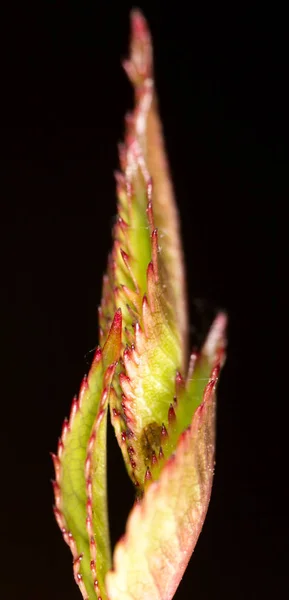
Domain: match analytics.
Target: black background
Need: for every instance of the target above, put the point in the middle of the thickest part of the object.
(221, 86)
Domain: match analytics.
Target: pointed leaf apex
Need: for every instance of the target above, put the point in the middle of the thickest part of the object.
(216, 341)
(112, 347)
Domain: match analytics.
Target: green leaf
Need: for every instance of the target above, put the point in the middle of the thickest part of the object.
(147, 230)
(80, 467)
(190, 393)
(146, 128)
(162, 530)
(145, 275)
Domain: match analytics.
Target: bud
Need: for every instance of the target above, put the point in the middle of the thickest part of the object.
(162, 402)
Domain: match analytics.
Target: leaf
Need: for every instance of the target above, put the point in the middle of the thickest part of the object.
(162, 530)
(190, 393)
(145, 275)
(80, 467)
(147, 129)
(145, 179)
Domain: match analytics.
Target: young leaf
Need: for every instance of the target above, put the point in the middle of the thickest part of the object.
(80, 467)
(145, 275)
(162, 404)
(145, 127)
(163, 529)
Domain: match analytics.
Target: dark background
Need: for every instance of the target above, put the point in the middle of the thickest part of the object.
(221, 83)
